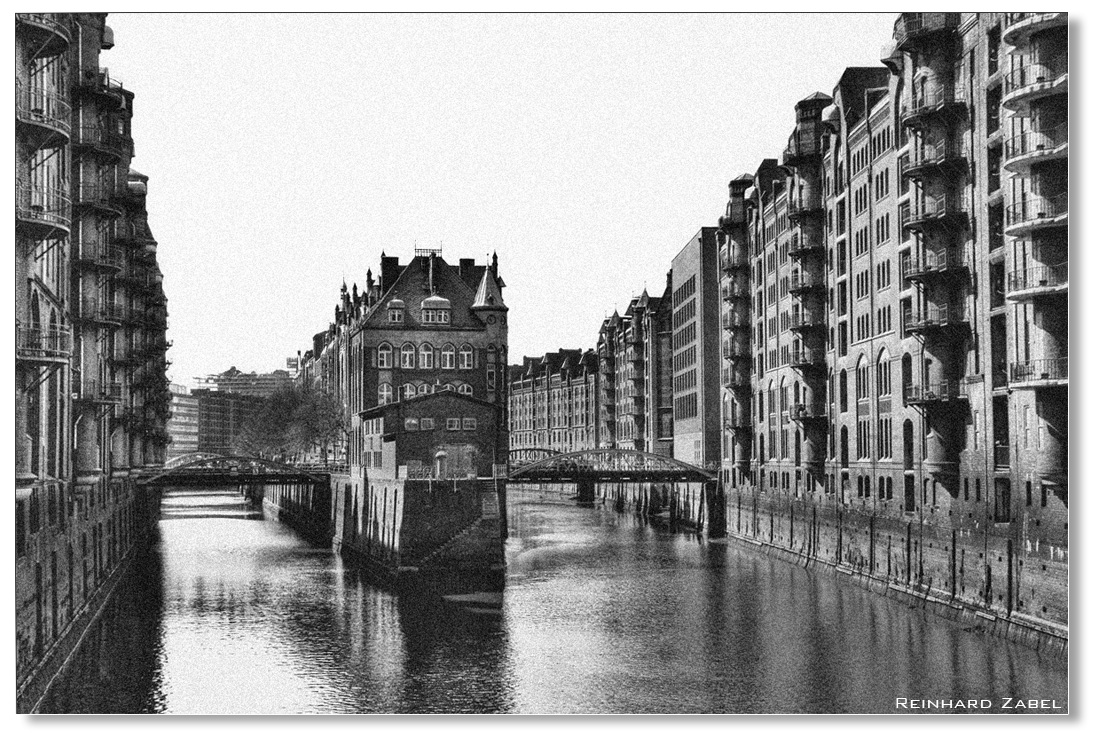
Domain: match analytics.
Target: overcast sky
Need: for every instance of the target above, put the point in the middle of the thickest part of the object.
(286, 152)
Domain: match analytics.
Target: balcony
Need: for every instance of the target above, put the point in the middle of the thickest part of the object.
(803, 146)
(1039, 373)
(804, 321)
(942, 210)
(735, 350)
(98, 196)
(1037, 146)
(935, 319)
(732, 291)
(1038, 281)
(736, 378)
(801, 412)
(729, 263)
(44, 115)
(940, 157)
(1022, 26)
(97, 392)
(934, 393)
(102, 87)
(934, 265)
(1036, 213)
(43, 345)
(99, 141)
(104, 314)
(100, 256)
(47, 33)
(800, 208)
(807, 359)
(40, 210)
(802, 283)
(1028, 83)
(934, 104)
(802, 246)
(734, 321)
(917, 30)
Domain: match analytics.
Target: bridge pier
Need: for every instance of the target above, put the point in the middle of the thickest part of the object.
(716, 508)
(586, 491)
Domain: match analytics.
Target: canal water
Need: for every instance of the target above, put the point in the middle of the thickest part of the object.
(603, 613)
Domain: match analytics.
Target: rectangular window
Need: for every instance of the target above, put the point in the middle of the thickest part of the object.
(469, 423)
(453, 423)
(427, 423)
(411, 424)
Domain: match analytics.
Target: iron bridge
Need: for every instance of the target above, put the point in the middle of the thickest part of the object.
(208, 469)
(609, 465)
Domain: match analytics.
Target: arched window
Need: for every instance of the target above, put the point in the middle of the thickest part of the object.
(447, 357)
(427, 356)
(385, 393)
(423, 388)
(408, 356)
(466, 357)
(906, 375)
(409, 388)
(466, 389)
(449, 387)
(385, 356)
(884, 381)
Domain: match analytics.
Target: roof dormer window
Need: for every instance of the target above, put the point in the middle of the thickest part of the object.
(395, 311)
(435, 309)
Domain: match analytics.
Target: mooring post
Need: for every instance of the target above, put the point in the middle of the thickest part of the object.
(716, 508)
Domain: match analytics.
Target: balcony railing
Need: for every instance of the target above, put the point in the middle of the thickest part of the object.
(802, 206)
(933, 208)
(1035, 143)
(912, 28)
(1040, 370)
(803, 282)
(730, 263)
(52, 26)
(99, 194)
(102, 392)
(1035, 74)
(109, 313)
(932, 155)
(102, 84)
(933, 263)
(1002, 456)
(736, 350)
(50, 343)
(800, 246)
(100, 139)
(943, 391)
(734, 290)
(101, 254)
(1040, 276)
(42, 205)
(807, 358)
(1019, 27)
(935, 317)
(932, 101)
(1037, 211)
(801, 411)
(805, 320)
(43, 107)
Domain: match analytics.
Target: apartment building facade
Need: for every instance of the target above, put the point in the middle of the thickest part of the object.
(91, 316)
(552, 403)
(908, 317)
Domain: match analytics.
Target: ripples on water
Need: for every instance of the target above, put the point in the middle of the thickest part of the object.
(603, 613)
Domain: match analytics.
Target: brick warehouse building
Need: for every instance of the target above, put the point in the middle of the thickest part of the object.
(552, 402)
(415, 333)
(893, 307)
(91, 394)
